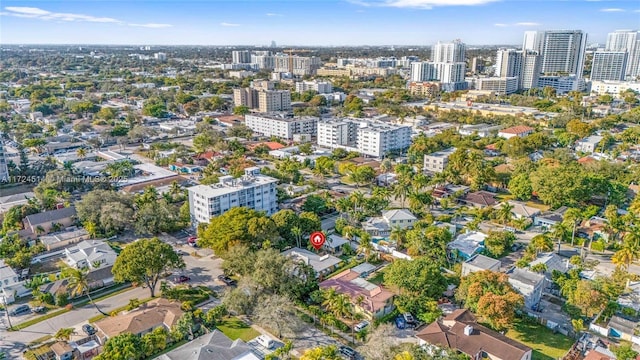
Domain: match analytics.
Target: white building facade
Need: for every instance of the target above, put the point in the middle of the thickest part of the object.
(282, 127)
(499, 85)
(252, 190)
(609, 65)
(371, 138)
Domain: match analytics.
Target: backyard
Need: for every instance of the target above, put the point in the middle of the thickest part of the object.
(234, 328)
(546, 344)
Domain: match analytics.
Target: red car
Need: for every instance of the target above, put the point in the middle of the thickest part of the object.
(182, 278)
(192, 241)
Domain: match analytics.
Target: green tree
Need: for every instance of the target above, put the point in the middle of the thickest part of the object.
(78, 281)
(520, 186)
(624, 351)
(229, 229)
(498, 242)
(144, 261)
(240, 110)
(64, 334)
(125, 346)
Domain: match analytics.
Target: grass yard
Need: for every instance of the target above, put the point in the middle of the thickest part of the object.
(545, 343)
(234, 328)
(377, 278)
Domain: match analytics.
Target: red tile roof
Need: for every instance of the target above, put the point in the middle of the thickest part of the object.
(520, 129)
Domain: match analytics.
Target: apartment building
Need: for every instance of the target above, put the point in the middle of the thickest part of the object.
(561, 51)
(241, 56)
(530, 70)
(628, 41)
(613, 88)
(436, 162)
(424, 88)
(321, 87)
(4, 170)
(562, 84)
(252, 190)
(499, 85)
(609, 65)
(282, 126)
(274, 100)
(371, 138)
(508, 63)
(448, 52)
(450, 75)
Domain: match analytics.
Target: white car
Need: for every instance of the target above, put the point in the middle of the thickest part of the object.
(361, 326)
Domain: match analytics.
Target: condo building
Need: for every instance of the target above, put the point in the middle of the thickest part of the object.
(370, 138)
(281, 126)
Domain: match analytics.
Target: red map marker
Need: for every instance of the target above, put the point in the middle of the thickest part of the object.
(317, 239)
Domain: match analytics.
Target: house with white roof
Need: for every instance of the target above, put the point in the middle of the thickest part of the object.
(529, 284)
(321, 264)
(588, 144)
(520, 210)
(93, 254)
(335, 244)
(382, 226)
(10, 284)
(466, 245)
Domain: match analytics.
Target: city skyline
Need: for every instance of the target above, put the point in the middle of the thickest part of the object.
(319, 23)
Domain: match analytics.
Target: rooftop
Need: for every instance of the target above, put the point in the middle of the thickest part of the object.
(211, 346)
(468, 243)
(398, 214)
(520, 129)
(525, 277)
(319, 263)
(152, 314)
(351, 284)
(483, 262)
(51, 216)
(443, 153)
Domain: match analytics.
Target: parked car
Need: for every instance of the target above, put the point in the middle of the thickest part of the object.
(408, 318)
(88, 329)
(266, 341)
(400, 323)
(182, 278)
(192, 241)
(227, 280)
(19, 310)
(39, 309)
(348, 352)
(361, 326)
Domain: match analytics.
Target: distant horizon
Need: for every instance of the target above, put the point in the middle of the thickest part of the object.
(308, 23)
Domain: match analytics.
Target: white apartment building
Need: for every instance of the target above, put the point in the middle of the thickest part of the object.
(588, 144)
(371, 138)
(448, 52)
(446, 73)
(609, 65)
(508, 63)
(629, 41)
(321, 87)
(562, 84)
(561, 51)
(499, 85)
(297, 65)
(530, 70)
(281, 126)
(252, 190)
(241, 56)
(613, 88)
(436, 162)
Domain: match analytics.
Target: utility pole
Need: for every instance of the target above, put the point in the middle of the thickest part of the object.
(6, 309)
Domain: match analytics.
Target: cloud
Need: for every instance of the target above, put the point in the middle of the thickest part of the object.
(37, 13)
(527, 24)
(273, 14)
(501, 25)
(612, 10)
(419, 4)
(152, 25)
(228, 24)
(638, 11)
(41, 14)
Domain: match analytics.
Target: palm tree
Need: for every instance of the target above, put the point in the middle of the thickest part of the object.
(385, 166)
(336, 303)
(297, 233)
(175, 188)
(572, 216)
(343, 205)
(92, 229)
(400, 191)
(382, 193)
(78, 280)
(398, 235)
(82, 153)
(504, 214)
(624, 257)
(357, 198)
(64, 334)
(541, 243)
(364, 245)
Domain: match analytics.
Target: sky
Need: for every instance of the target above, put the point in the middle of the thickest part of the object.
(306, 22)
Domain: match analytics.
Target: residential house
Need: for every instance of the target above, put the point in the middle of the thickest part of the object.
(10, 285)
(9, 201)
(460, 331)
(63, 239)
(86, 349)
(185, 168)
(62, 350)
(322, 264)
(92, 254)
(373, 301)
(335, 244)
(436, 162)
(449, 191)
(521, 210)
(480, 262)
(529, 284)
(382, 226)
(154, 314)
(466, 245)
(519, 131)
(479, 199)
(548, 219)
(212, 346)
(624, 328)
(95, 279)
(47, 221)
(588, 144)
(553, 262)
(630, 297)
(599, 353)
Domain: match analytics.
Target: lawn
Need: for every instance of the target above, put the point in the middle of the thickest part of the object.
(546, 344)
(377, 278)
(234, 328)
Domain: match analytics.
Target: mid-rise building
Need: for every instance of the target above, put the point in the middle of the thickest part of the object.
(499, 85)
(297, 65)
(252, 190)
(281, 126)
(424, 88)
(508, 63)
(436, 162)
(245, 97)
(561, 51)
(4, 170)
(241, 56)
(629, 41)
(274, 100)
(613, 88)
(372, 138)
(562, 84)
(448, 52)
(160, 56)
(609, 65)
(321, 87)
(451, 75)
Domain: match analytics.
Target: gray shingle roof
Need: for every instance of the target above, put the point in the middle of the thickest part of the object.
(212, 346)
(51, 216)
